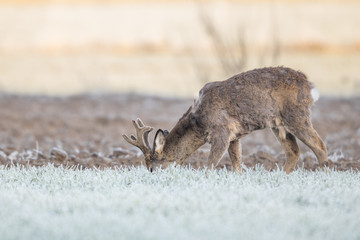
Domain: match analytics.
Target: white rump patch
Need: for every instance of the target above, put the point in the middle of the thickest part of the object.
(197, 102)
(315, 94)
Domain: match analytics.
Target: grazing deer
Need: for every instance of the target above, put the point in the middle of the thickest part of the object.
(278, 98)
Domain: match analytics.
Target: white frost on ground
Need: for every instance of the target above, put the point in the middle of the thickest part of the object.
(177, 203)
(336, 155)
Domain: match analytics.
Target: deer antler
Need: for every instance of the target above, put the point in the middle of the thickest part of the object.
(142, 133)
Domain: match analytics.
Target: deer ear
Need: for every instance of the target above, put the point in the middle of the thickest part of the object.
(159, 142)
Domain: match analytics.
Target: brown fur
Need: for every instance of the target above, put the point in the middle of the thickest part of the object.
(278, 98)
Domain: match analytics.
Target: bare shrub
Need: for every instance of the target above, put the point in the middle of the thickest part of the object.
(232, 53)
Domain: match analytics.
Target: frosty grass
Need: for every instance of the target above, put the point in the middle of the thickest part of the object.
(177, 203)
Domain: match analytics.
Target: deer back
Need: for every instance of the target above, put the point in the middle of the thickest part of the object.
(253, 100)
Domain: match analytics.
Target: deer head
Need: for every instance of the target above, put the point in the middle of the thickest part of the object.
(153, 156)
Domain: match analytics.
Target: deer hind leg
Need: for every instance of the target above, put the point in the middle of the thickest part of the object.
(235, 154)
(311, 138)
(288, 142)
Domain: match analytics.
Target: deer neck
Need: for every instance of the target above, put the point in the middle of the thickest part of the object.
(184, 139)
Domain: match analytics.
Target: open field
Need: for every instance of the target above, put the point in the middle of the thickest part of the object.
(178, 203)
(86, 130)
(162, 47)
(73, 74)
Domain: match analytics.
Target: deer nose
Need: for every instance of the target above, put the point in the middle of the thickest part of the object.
(150, 169)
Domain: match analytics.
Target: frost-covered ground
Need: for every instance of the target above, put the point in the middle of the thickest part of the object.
(177, 203)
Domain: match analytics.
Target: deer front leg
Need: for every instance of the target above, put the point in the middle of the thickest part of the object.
(217, 151)
(235, 154)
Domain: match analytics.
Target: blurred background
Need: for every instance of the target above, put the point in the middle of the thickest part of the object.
(171, 48)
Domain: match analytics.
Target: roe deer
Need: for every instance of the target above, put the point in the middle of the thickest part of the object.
(278, 98)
